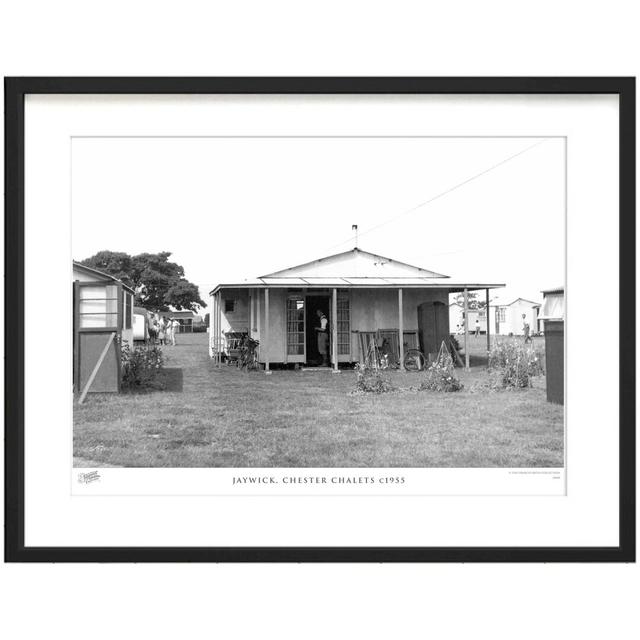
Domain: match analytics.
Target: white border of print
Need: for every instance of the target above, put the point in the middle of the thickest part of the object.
(586, 516)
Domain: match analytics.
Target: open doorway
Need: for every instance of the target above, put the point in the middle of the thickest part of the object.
(315, 304)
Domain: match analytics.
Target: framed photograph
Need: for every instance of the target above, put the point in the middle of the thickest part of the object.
(320, 319)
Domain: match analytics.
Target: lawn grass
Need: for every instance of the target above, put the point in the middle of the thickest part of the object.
(210, 417)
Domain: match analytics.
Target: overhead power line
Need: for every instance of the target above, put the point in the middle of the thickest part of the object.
(439, 195)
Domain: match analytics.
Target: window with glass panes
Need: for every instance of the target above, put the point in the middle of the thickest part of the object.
(295, 326)
(344, 332)
(98, 306)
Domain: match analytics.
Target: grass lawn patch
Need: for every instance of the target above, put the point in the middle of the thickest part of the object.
(209, 417)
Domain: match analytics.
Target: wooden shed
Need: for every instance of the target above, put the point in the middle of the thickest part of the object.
(102, 324)
(361, 293)
(552, 314)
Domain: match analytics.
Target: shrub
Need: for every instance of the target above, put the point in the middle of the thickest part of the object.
(140, 367)
(440, 376)
(371, 380)
(512, 365)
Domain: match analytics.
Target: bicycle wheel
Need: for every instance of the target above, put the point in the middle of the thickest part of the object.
(414, 360)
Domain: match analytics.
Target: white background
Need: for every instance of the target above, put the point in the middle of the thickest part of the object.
(386, 185)
(587, 516)
(465, 38)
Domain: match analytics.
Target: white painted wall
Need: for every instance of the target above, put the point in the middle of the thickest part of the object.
(371, 309)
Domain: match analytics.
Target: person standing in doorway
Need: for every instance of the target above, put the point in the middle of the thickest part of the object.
(323, 337)
(477, 327)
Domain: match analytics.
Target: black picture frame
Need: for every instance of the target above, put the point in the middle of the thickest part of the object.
(15, 91)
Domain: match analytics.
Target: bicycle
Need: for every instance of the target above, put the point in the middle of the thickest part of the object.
(414, 360)
(248, 349)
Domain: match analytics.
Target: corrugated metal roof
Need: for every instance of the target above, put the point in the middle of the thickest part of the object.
(368, 281)
(364, 283)
(294, 282)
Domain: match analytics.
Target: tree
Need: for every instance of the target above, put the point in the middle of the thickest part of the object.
(157, 282)
(472, 300)
(114, 263)
(184, 295)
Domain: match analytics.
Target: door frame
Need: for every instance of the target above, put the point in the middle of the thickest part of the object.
(295, 358)
(317, 293)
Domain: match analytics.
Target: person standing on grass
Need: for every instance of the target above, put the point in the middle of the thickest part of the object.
(323, 337)
(175, 328)
(169, 331)
(477, 327)
(526, 329)
(162, 330)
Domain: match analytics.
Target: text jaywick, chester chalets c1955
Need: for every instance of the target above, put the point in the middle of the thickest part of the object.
(333, 479)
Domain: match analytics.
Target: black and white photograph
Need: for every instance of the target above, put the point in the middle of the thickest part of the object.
(318, 301)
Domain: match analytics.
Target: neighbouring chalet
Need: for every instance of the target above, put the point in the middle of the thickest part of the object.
(187, 319)
(363, 295)
(504, 319)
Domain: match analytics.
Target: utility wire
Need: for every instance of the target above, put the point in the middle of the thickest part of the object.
(440, 195)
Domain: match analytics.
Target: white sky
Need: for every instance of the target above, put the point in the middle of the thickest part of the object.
(235, 208)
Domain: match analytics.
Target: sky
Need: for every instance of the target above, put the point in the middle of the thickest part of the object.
(476, 209)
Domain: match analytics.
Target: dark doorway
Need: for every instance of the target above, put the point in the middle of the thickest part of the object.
(313, 304)
(433, 327)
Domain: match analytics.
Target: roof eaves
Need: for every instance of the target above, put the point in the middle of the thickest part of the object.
(92, 271)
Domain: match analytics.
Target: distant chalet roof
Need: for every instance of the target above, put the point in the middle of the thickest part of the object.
(531, 302)
(355, 269)
(554, 290)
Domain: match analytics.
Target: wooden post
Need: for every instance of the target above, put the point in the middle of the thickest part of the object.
(219, 332)
(466, 329)
(266, 332)
(212, 300)
(250, 332)
(488, 322)
(334, 331)
(258, 323)
(401, 329)
(214, 335)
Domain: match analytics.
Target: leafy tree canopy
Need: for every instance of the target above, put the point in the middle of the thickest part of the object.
(472, 300)
(158, 283)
